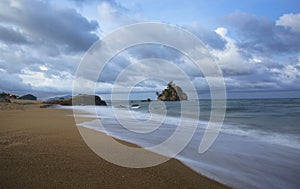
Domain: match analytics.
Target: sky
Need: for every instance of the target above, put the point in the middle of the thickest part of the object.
(256, 44)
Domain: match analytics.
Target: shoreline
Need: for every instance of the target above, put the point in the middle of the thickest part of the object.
(42, 147)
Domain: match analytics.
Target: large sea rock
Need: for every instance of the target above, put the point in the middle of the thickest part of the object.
(79, 100)
(28, 97)
(172, 93)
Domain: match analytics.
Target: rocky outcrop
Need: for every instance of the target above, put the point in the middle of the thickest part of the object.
(147, 100)
(172, 93)
(4, 99)
(88, 100)
(79, 100)
(28, 97)
(46, 106)
(8, 96)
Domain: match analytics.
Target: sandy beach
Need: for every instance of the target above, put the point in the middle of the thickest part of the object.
(42, 148)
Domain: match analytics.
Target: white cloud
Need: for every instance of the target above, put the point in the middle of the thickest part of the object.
(230, 59)
(43, 68)
(12, 82)
(287, 75)
(111, 18)
(261, 35)
(39, 81)
(107, 12)
(15, 4)
(222, 32)
(209, 37)
(290, 20)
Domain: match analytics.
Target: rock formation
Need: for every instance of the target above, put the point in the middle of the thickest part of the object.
(3, 99)
(81, 99)
(172, 93)
(28, 97)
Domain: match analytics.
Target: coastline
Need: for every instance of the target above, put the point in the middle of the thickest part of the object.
(43, 148)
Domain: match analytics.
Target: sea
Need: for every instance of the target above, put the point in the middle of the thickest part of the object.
(258, 145)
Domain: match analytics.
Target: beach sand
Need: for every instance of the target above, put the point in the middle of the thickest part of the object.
(42, 148)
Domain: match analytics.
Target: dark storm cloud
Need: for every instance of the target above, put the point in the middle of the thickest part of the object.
(10, 35)
(261, 35)
(46, 24)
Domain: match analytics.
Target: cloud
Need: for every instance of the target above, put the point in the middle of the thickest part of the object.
(290, 21)
(241, 72)
(266, 76)
(41, 45)
(230, 59)
(260, 55)
(10, 35)
(62, 28)
(41, 82)
(210, 38)
(137, 53)
(13, 83)
(136, 56)
(288, 75)
(254, 71)
(112, 15)
(261, 35)
(27, 73)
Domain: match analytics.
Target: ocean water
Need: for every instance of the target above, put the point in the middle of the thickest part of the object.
(258, 146)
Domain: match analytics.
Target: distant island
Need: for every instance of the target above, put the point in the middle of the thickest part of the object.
(172, 93)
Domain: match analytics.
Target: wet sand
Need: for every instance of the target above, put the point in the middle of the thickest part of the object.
(42, 148)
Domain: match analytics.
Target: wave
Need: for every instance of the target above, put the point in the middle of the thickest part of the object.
(240, 157)
(289, 140)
